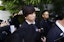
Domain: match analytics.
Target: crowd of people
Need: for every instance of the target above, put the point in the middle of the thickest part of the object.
(32, 30)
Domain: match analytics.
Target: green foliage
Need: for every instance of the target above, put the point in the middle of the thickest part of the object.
(57, 3)
(12, 5)
(16, 5)
(1, 7)
(34, 2)
(47, 1)
(21, 19)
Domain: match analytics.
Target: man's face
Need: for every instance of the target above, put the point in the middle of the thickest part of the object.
(31, 17)
(45, 15)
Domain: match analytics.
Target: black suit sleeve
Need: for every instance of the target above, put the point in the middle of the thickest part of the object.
(52, 35)
(18, 35)
(15, 38)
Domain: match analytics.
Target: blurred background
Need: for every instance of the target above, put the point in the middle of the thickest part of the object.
(8, 7)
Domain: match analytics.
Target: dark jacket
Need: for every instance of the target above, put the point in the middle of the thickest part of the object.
(4, 32)
(46, 25)
(54, 34)
(26, 33)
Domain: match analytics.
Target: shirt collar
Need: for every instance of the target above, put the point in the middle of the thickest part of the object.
(30, 22)
(60, 26)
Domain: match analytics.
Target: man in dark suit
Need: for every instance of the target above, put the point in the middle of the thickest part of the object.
(28, 31)
(57, 31)
(45, 23)
(4, 31)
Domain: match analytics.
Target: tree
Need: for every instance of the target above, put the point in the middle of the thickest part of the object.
(57, 3)
(16, 5)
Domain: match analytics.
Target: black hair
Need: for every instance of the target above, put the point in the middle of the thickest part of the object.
(60, 12)
(28, 10)
(44, 11)
(1, 21)
(13, 13)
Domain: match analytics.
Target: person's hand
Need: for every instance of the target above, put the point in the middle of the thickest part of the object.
(15, 14)
(39, 30)
(4, 24)
(43, 39)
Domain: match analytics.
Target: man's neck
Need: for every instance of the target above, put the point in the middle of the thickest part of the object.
(30, 22)
(61, 22)
(45, 18)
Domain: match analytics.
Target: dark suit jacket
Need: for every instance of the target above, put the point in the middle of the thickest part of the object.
(26, 33)
(4, 32)
(46, 24)
(54, 34)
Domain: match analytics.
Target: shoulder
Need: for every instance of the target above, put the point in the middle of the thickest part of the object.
(23, 27)
(55, 29)
(42, 21)
(54, 33)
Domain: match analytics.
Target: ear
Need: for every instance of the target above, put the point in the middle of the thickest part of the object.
(42, 15)
(25, 17)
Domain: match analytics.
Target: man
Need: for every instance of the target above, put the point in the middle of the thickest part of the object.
(4, 30)
(28, 31)
(57, 31)
(45, 23)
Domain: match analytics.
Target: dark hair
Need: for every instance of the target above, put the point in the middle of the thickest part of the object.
(44, 11)
(28, 10)
(60, 12)
(1, 21)
(13, 13)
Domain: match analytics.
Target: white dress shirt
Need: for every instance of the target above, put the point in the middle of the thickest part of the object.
(12, 28)
(30, 22)
(60, 26)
